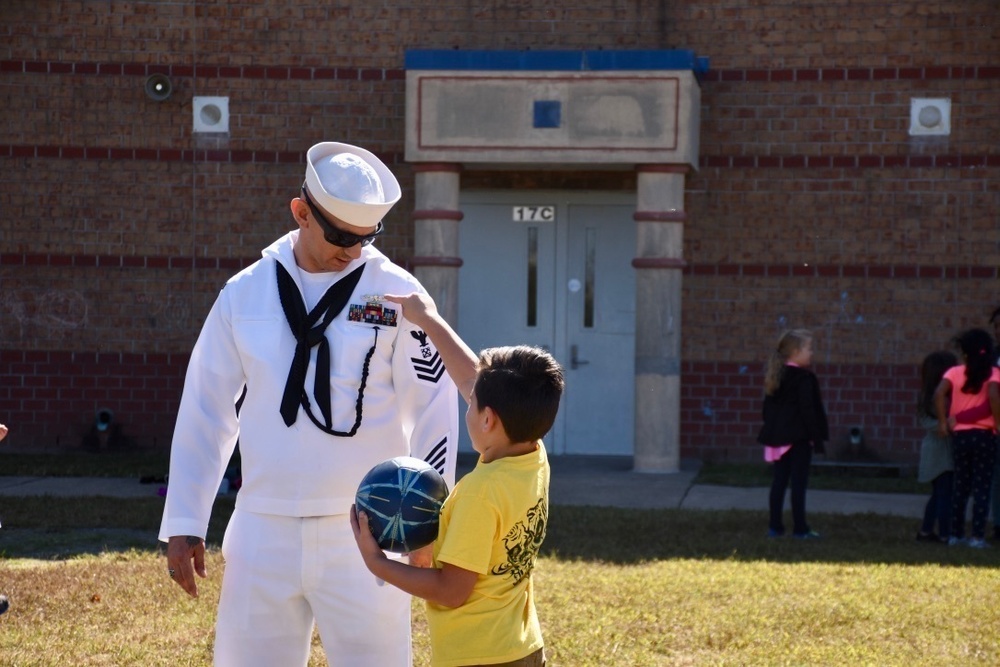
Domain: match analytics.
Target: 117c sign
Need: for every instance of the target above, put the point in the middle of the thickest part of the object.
(534, 213)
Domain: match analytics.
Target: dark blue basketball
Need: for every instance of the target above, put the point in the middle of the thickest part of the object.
(402, 498)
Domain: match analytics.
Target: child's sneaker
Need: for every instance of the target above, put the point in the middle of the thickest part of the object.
(978, 543)
(955, 541)
(808, 535)
(771, 532)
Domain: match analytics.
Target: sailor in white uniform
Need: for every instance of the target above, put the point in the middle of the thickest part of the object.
(335, 382)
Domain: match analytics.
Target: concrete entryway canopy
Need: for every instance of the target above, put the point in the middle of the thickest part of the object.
(577, 110)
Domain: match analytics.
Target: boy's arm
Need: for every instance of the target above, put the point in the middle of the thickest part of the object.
(459, 359)
(449, 586)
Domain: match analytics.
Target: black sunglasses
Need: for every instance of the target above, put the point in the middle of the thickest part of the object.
(339, 237)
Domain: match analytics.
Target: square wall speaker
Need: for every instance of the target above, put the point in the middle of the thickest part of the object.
(211, 115)
(930, 117)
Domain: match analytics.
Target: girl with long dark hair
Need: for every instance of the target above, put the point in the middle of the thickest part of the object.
(936, 464)
(962, 388)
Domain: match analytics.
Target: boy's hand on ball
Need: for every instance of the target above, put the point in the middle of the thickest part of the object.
(363, 536)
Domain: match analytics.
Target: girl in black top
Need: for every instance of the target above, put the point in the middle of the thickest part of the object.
(794, 424)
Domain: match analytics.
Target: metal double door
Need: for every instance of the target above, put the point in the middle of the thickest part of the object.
(553, 269)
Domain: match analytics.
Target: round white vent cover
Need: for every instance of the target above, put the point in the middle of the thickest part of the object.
(211, 114)
(930, 116)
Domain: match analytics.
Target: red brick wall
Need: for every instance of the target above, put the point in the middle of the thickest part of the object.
(721, 408)
(812, 206)
(53, 397)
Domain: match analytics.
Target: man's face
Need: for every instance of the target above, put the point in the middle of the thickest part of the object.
(333, 227)
(314, 252)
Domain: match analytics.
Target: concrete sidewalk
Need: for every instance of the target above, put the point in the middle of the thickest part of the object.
(576, 480)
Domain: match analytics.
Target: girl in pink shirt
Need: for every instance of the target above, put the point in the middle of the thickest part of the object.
(972, 385)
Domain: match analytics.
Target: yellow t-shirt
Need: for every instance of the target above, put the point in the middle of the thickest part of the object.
(492, 523)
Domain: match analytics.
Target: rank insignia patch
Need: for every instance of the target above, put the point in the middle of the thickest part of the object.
(372, 312)
(428, 366)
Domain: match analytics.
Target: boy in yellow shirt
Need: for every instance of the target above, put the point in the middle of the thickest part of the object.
(479, 591)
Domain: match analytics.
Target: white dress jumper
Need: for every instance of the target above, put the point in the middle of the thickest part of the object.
(289, 551)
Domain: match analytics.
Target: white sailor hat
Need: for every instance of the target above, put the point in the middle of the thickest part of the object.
(350, 183)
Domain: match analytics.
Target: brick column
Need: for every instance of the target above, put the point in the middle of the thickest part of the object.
(659, 266)
(436, 217)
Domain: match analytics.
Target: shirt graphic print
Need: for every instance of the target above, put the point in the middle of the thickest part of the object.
(523, 542)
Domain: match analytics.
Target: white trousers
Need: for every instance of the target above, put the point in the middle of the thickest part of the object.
(285, 573)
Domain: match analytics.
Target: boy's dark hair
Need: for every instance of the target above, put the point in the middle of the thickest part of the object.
(523, 385)
(977, 346)
(931, 372)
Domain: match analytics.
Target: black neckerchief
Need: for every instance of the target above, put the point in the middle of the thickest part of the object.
(309, 334)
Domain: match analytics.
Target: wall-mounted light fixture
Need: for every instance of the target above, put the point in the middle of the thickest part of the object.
(211, 114)
(158, 87)
(103, 419)
(930, 117)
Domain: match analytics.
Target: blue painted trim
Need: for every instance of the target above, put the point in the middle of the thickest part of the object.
(574, 61)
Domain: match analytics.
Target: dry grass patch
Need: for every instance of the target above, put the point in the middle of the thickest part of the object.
(621, 588)
(731, 612)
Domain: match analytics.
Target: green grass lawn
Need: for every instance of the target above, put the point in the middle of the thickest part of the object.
(615, 587)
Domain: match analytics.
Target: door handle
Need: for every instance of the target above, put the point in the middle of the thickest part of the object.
(575, 361)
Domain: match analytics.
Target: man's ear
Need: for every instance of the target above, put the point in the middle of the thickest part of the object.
(300, 211)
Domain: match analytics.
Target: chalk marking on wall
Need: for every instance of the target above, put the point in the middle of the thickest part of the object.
(51, 309)
(882, 336)
(170, 313)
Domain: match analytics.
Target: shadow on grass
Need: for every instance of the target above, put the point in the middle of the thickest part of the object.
(81, 463)
(626, 537)
(47, 527)
(59, 528)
